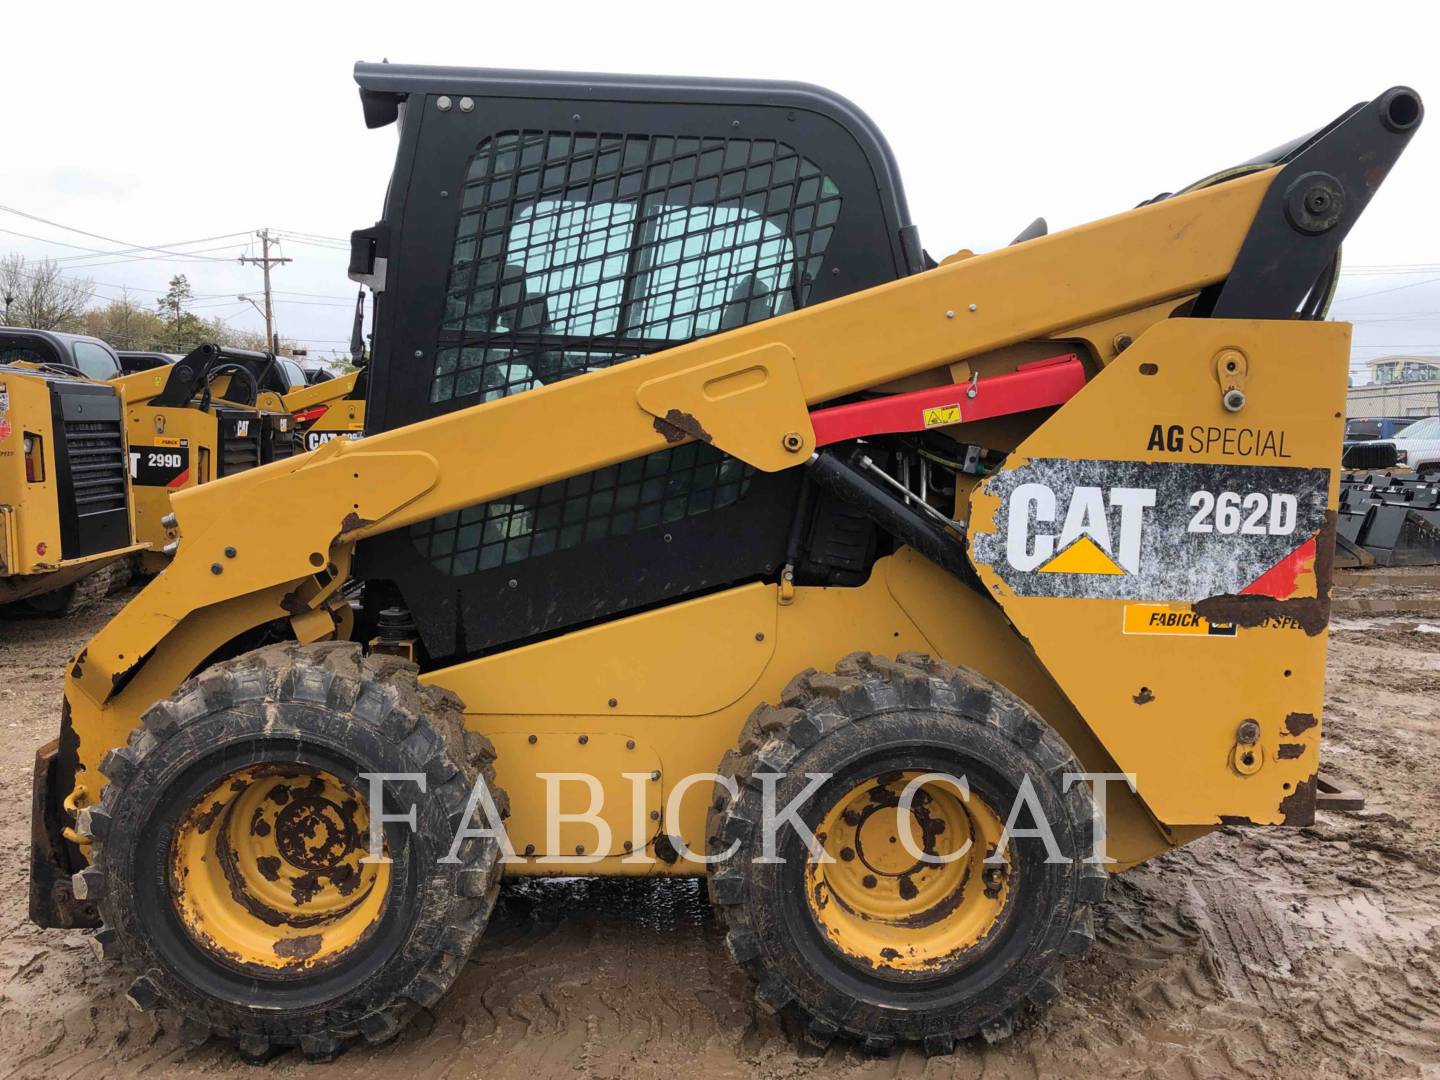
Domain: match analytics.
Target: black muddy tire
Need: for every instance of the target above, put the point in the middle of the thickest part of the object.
(323, 707)
(876, 717)
(77, 596)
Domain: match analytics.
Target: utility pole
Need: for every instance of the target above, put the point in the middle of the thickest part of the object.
(265, 262)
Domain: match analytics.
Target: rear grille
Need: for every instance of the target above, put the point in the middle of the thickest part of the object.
(97, 465)
(240, 442)
(92, 468)
(281, 439)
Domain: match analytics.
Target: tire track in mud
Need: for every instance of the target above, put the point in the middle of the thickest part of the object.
(1249, 942)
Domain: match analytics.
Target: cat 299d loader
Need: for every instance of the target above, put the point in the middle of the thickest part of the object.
(697, 503)
(212, 413)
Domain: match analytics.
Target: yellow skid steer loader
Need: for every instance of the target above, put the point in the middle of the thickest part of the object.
(66, 527)
(333, 409)
(706, 526)
(212, 413)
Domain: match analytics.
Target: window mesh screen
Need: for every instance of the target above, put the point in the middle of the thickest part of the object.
(615, 501)
(578, 251)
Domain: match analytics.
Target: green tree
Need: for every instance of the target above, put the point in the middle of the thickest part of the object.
(125, 325)
(39, 296)
(183, 329)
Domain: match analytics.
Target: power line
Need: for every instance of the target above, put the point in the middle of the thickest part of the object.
(114, 262)
(1402, 313)
(174, 244)
(94, 252)
(1400, 322)
(217, 303)
(1389, 268)
(91, 283)
(110, 285)
(314, 236)
(322, 296)
(1381, 292)
(45, 240)
(93, 236)
(199, 257)
(315, 244)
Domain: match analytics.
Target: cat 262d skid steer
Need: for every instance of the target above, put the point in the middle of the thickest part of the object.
(700, 515)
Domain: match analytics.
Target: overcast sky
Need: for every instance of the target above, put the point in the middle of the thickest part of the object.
(159, 124)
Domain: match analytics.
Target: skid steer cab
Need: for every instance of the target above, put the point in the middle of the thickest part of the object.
(66, 531)
(704, 525)
(213, 413)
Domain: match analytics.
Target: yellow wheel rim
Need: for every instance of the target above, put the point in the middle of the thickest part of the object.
(880, 906)
(266, 871)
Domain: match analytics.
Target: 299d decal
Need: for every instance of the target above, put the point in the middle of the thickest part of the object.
(1147, 530)
(164, 465)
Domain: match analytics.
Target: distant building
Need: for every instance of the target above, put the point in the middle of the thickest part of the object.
(1404, 369)
(1398, 386)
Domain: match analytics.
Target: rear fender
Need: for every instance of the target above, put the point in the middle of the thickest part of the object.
(1169, 559)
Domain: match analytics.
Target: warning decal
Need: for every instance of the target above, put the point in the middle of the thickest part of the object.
(941, 415)
(1164, 531)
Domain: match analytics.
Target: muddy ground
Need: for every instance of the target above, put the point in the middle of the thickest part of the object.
(1261, 953)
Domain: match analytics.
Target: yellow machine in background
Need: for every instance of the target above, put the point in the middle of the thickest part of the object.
(199, 419)
(691, 474)
(65, 511)
(332, 409)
